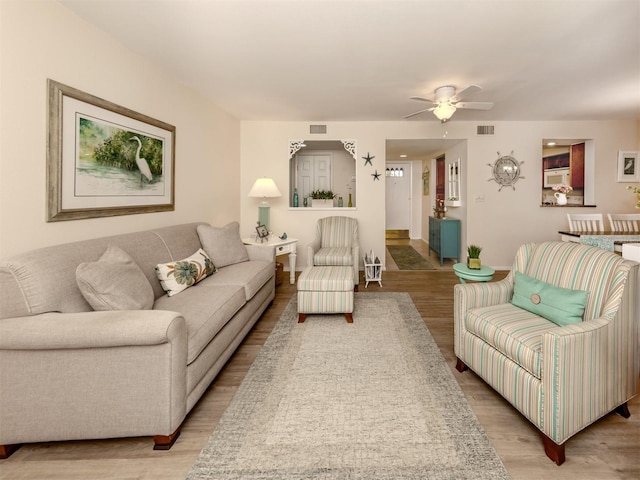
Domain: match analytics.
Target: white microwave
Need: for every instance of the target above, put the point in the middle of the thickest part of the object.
(556, 176)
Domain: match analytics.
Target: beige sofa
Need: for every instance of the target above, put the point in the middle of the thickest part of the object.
(69, 372)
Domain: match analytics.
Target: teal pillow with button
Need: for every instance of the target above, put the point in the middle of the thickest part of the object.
(562, 306)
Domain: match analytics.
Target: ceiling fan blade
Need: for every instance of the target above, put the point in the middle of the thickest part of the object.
(418, 112)
(422, 99)
(475, 105)
(470, 90)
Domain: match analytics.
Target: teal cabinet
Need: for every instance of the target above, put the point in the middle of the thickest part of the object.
(444, 238)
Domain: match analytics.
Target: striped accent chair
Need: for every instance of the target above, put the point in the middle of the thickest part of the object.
(561, 378)
(336, 244)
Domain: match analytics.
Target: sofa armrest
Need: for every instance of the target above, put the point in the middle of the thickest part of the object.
(481, 294)
(92, 375)
(356, 263)
(312, 248)
(54, 331)
(577, 377)
(261, 252)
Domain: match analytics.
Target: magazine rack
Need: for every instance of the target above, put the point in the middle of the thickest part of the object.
(372, 269)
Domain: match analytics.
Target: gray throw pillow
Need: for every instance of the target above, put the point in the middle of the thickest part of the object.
(114, 282)
(223, 244)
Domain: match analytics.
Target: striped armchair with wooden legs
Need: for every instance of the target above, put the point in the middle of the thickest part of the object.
(561, 362)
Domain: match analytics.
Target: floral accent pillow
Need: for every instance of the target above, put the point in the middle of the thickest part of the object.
(178, 276)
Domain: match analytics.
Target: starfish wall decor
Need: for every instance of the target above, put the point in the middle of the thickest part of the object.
(368, 159)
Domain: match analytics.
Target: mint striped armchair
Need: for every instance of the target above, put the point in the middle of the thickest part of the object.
(561, 378)
(336, 244)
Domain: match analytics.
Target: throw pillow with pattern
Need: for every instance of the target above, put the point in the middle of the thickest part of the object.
(178, 276)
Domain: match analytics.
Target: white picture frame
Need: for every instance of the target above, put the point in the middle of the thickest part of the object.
(628, 166)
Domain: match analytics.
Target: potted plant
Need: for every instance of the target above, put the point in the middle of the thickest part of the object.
(561, 193)
(322, 198)
(439, 210)
(473, 257)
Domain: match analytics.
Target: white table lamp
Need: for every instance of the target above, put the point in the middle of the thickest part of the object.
(264, 188)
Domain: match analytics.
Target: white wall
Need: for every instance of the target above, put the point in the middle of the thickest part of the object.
(42, 39)
(500, 224)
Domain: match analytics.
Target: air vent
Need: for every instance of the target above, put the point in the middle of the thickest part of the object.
(485, 129)
(317, 129)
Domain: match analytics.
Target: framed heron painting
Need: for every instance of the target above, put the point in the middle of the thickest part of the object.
(104, 159)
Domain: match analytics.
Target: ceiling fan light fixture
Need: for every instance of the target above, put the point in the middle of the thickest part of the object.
(444, 111)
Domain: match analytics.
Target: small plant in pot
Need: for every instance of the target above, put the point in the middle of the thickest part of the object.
(325, 198)
(473, 257)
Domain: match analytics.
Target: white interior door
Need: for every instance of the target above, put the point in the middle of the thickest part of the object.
(398, 196)
(313, 172)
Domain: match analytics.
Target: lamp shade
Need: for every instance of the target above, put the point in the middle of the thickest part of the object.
(444, 111)
(264, 188)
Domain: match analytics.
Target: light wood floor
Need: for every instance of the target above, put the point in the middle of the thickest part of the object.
(609, 449)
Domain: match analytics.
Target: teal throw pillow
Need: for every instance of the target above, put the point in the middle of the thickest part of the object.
(559, 305)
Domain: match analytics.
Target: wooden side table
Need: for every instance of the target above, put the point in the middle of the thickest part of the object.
(282, 247)
(484, 274)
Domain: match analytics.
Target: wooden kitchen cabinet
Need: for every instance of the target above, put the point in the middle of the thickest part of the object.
(576, 165)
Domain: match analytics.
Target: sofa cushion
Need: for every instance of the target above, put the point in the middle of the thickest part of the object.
(560, 305)
(513, 331)
(251, 276)
(114, 282)
(223, 244)
(176, 277)
(206, 309)
(334, 256)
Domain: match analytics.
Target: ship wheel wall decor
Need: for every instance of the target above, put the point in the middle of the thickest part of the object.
(506, 171)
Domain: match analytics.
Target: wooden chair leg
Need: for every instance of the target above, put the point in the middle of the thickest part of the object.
(165, 442)
(554, 451)
(460, 366)
(7, 450)
(623, 410)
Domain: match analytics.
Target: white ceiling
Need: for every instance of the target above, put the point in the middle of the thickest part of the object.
(356, 60)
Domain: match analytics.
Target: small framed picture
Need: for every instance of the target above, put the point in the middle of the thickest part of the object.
(628, 166)
(262, 231)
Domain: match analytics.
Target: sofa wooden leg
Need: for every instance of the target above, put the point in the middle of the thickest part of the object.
(623, 410)
(7, 450)
(302, 317)
(165, 442)
(460, 366)
(554, 451)
(349, 317)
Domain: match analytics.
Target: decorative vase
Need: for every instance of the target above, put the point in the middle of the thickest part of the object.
(561, 198)
(474, 263)
(350, 204)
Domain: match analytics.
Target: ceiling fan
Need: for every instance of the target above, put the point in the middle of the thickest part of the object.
(447, 101)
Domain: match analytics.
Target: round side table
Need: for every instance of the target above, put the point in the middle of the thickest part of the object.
(484, 274)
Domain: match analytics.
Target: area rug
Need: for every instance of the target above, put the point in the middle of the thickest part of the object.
(407, 258)
(329, 400)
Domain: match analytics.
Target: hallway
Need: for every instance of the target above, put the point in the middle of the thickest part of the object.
(421, 247)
